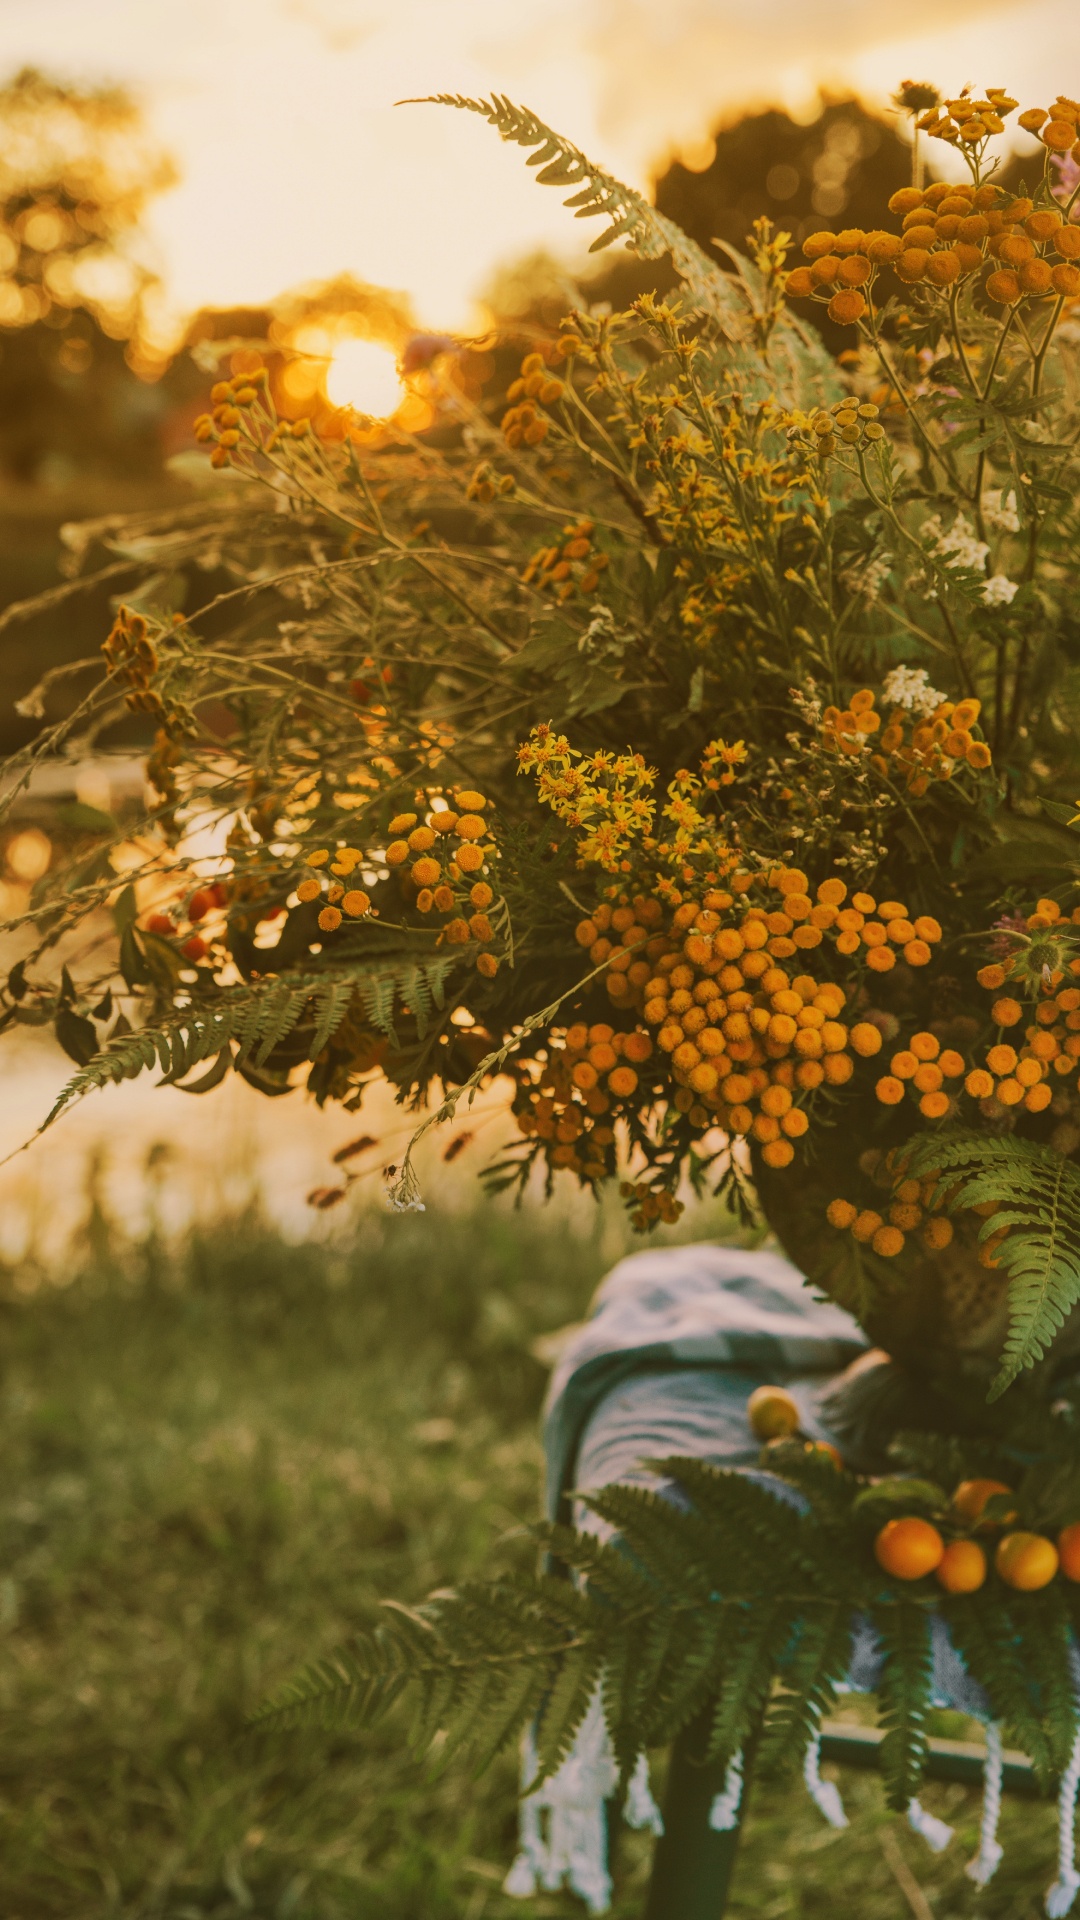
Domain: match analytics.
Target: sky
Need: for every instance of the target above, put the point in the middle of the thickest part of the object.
(296, 164)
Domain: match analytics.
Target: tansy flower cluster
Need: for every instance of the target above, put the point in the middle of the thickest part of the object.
(948, 233)
(243, 419)
(571, 566)
(748, 1039)
(915, 747)
(848, 423)
(525, 423)
(916, 1206)
(443, 858)
(569, 1098)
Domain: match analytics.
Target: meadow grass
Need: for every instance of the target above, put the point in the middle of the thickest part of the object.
(216, 1461)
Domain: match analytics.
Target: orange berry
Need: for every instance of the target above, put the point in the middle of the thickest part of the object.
(1006, 1012)
(329, 919)
(888, 1241)
(1001, 1059)
(1026, 1561)
(971, 1496)
(841, 1214)
(951, 1063)
(962, 1568)
(881, 959)
(889, 1090)
(772, 1413)
(937, 1234)
(356, 903)
(909, 1548)
(865, 1224)
(1069, 1550)
(778, 1153)
(979, 1083)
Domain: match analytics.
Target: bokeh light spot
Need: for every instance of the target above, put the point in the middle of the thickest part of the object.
(364, 375)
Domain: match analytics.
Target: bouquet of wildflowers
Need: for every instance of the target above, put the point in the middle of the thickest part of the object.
(678, 726)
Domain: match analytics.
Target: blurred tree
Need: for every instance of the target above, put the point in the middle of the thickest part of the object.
(76, 171)
(836, 171)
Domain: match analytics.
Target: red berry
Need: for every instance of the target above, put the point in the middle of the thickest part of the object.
(160, 923)
(201, 902)
(194, 948)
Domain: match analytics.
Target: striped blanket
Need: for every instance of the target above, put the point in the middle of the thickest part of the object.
(676, 1341)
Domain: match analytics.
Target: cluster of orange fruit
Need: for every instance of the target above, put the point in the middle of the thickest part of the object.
(572, 565)
(949, 232)
(937, 745)
(537, 388)
(911, 1547)
(747, 1040)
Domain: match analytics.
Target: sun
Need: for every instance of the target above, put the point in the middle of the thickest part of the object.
(363, 374)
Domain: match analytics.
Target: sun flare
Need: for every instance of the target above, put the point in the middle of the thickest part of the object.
(363, 374)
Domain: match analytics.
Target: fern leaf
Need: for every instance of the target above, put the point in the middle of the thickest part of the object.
(749, 1667)
(1037, 1195)
(333, 1002)
(904, 1696)
(648, 232)
(821, 1659)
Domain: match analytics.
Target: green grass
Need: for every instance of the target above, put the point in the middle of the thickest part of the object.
(215, 1464)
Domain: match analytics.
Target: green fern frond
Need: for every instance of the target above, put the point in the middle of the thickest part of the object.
(257, 1019)
(1036, 1192)
(904, 1693)
(810, 1680)
(629, 214)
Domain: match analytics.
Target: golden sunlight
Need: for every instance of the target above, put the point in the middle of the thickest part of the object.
(364, 374)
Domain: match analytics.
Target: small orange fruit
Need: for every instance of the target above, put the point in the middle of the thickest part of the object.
(772, 1413)
(971, 1497)
(963, 1567)
(1026, 1561)
(1069, 1550)
(909, 1548)
(826, 1450)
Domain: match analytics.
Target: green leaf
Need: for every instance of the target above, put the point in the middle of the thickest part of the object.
(83, 819)
(77, 1036)
(901, 1495)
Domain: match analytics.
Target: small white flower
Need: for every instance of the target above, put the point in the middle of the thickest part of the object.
(1003, 515)
(909, 687)
(999, 590)
(957, 545)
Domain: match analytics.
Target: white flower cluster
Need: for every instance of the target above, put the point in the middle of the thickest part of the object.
(957, 545)
(1000, 512)
(999, 590)
(909, 687)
